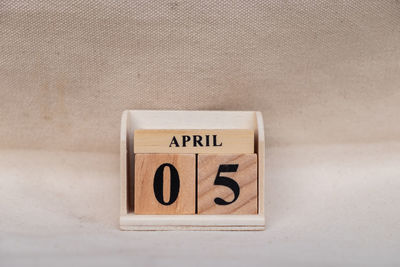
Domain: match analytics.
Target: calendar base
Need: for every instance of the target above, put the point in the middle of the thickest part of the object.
(192, 222)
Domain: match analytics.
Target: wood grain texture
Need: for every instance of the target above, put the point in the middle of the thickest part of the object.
(145, 169)
(245, 176)
(172, 119)
(194, 141)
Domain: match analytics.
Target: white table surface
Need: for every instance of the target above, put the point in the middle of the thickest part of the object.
(327, 206)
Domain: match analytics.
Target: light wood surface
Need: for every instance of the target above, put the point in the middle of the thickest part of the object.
(194, 141)
(193, 222)
(260, 137)
(245, 176)
(146, 166)
(123, 165)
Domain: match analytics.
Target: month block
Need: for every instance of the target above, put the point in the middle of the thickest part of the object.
(194, 141)
(165, 184)
(227, 184)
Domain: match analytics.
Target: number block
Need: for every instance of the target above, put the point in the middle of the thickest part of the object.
(227, 184)
(165, 184)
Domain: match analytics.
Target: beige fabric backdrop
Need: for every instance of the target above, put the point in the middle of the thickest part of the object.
(320, 71)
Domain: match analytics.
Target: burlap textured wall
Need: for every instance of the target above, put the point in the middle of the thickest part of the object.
(320, 71)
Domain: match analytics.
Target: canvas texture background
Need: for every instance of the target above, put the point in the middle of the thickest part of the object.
(320, 71)
(325, 75)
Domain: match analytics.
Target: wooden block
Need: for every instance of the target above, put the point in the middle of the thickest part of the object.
(227, 184)
(194, 141)
(165, 184)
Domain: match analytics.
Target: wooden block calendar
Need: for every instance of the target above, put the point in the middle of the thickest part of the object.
(192, 170)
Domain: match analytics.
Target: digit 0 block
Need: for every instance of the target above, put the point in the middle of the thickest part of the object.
(227, 184)
(165, 184)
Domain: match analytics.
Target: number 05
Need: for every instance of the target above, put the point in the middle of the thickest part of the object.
(158, 184)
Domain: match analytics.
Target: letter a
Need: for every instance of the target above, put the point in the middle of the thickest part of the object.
(174, 141)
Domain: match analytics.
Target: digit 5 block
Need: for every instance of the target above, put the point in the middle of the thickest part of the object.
(227, 184)
(165, 184)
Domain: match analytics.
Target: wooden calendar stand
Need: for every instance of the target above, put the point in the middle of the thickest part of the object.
(154, 119)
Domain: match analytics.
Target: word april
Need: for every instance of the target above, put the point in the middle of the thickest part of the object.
(195, 141)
